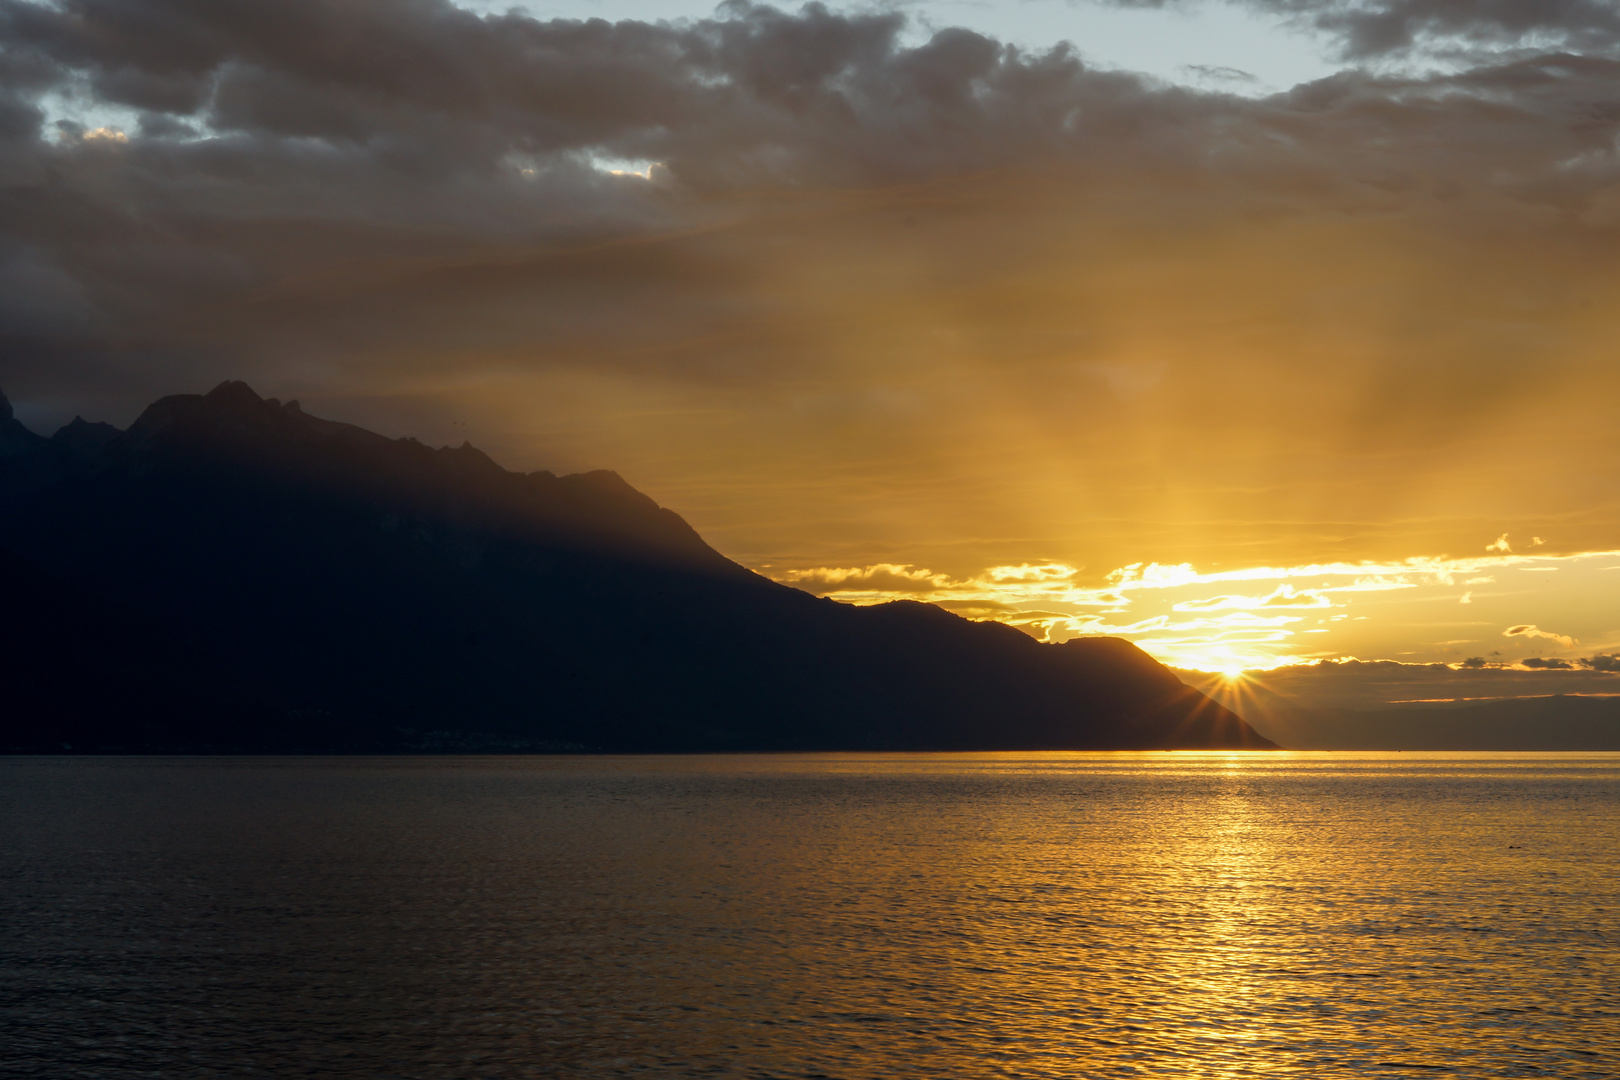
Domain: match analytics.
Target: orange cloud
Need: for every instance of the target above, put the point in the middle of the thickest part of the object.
(1527, 630)
(881, 578)
(1283, 596)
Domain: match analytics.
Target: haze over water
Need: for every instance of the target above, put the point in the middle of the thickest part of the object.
(1017, 915)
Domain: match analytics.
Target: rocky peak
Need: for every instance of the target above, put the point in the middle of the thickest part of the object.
(14, 437)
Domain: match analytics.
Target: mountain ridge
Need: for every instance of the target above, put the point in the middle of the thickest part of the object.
(319, 587)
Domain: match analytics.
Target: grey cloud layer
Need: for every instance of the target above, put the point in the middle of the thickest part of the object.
(279, 142)
(430, 88)
(1378, 27)
(379, 129)
(1375, 28)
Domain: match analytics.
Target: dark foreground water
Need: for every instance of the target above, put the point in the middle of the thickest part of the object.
(1020, 915)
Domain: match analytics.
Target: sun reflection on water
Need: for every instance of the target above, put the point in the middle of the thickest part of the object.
(860, 916)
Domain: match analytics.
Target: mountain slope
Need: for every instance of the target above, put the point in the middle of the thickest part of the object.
(15, 439)
(271, 581)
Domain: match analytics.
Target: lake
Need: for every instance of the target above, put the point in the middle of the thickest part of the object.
(849, 916)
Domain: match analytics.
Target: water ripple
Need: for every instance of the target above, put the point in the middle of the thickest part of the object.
(842, 916)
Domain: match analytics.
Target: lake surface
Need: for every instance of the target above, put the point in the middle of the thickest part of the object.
(872, 916)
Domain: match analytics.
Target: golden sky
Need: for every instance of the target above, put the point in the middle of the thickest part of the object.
(1251, 378)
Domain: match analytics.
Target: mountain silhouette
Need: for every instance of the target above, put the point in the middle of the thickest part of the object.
(232, 574)
(15, 439)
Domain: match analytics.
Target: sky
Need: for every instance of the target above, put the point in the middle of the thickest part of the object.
(1272, 334)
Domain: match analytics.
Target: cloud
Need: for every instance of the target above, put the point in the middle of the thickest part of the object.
(441, 116)
(1369, 29)
(436, 92)
(1528, 631)
(1004, 591)
(1025, 572)
(1169, 611)
(1283, 596)
(1547, 663)
(1366, 576)
(884, 579)
(1376, 28)
(1218, 74)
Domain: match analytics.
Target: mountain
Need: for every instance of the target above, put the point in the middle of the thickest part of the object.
(232, 574)
(15, 439)
(1555, 722)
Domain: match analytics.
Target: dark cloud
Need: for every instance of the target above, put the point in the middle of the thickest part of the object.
(369, 130)
(1218, 73)
(1377, 28)
(1600, 662)
(1547, 662)
(390, 127)
(756, 95)
(420, 112)
(1371, 28)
